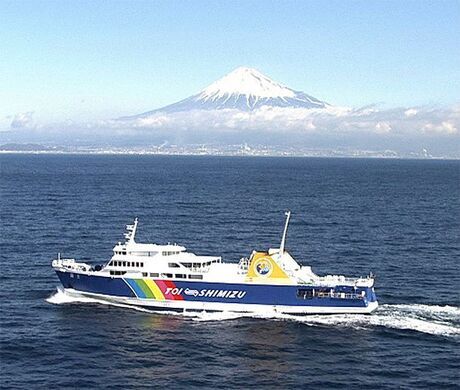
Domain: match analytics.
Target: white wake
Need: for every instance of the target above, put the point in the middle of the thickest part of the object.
(61, 297)
(430, 319)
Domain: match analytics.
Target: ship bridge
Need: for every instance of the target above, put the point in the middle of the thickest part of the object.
(155, 260)
(147, 250)
(131, 248)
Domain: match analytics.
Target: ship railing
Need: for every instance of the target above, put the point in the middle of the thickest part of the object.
(70, 264)
(335, 295)
(347, 295)
(344, 280)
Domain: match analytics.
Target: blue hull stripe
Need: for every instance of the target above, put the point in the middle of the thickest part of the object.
(135, 287)
(218, 292)
(96, 284)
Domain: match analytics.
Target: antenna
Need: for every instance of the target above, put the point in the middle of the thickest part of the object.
(131, 231)
(283, 239)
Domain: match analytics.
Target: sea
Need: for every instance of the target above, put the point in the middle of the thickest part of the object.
(399, 219)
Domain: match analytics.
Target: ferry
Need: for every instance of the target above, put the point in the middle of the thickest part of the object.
(168, 277)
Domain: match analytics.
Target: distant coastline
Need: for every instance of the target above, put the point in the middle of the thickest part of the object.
(217, 150)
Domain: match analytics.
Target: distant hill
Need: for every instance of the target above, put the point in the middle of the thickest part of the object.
(24, 148)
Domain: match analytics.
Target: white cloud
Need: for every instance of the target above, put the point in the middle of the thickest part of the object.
(410, 112)
(383, 128)
(333, 120)
(23, 120)
(445, 127)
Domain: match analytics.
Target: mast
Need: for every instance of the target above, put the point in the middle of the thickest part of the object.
(131, 232)
(283, 239)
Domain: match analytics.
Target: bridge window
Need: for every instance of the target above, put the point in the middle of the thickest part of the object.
(117, 272)
(170, 253)
(140, 253)
(181, 276)
(173, 265)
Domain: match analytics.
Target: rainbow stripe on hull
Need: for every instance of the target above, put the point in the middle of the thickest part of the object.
(154, 289)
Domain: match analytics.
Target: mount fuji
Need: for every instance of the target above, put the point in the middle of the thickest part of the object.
(244, 89)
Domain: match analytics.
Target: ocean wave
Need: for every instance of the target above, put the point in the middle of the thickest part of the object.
(429, 319)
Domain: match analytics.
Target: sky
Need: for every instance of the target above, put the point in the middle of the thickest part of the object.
(389, 69)
(98, 59)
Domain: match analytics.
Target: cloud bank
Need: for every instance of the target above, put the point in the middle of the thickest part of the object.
(431, 127)
(333, 120)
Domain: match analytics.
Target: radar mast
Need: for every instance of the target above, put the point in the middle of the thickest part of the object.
(131, 232)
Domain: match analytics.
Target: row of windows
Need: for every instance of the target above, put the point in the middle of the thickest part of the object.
(116, 263)
(117, 272)
(164, 253)
(170, 276)
(158, 275)
(197, 265)
(145, 254)
(170, 253)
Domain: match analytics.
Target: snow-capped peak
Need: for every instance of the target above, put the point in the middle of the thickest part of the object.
(244, 89)
(248, 82)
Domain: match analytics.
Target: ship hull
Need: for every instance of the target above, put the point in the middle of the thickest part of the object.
(180, 295)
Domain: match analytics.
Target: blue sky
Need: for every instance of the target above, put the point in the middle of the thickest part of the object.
(98, 59)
